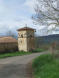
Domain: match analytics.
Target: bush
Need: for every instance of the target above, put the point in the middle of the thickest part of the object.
(38, 50)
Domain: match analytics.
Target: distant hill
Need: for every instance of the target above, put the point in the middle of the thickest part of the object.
(47, 40)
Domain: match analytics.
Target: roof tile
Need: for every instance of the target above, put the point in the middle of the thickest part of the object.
(7, 40)
(26, 28)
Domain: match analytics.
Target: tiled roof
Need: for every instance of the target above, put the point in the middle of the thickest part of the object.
(7, 40)
(26, 28)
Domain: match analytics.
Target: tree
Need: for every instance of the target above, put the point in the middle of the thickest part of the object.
(47, 12)
(10, 33)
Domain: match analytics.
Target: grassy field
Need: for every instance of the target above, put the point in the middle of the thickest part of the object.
(13, 54)
(46, 67)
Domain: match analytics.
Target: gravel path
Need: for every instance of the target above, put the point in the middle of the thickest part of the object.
(17, 67)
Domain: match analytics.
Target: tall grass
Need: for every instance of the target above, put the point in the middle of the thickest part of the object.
(13, 54)
(46, 67)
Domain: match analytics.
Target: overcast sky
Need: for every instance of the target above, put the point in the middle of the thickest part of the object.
(15, 14)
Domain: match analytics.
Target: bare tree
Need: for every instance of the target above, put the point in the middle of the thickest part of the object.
(47, 12)
(10, 33)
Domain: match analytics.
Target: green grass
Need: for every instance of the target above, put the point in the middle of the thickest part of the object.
(19, 53)
(13, 54)
(38, 50)
(46, 67)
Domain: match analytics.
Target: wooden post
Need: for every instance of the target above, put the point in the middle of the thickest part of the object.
(52, 49)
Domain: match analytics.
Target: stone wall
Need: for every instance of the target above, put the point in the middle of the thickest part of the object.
(26, 40)
(30, 40)
(22, 41)
(8, 47)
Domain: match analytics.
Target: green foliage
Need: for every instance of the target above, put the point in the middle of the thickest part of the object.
(38, 50)
(46, 67)
(13, 54)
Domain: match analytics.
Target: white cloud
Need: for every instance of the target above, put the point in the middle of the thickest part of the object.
(30, 4)
(14, 17)
(2, 8)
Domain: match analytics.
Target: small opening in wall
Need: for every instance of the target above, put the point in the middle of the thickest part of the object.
(21, 36)
(31, 36)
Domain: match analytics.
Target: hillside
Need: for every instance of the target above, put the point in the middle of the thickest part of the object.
(47, 40)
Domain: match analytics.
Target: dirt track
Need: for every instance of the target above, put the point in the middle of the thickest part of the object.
(17, 67)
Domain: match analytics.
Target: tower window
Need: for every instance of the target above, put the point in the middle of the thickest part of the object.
(31, 36)
(22, 36)
(19, 35)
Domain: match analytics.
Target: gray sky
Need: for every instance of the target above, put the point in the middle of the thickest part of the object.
(15, 14)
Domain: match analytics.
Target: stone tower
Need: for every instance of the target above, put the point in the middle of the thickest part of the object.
(26, 39)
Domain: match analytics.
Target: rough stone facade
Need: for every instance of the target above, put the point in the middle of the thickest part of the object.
(26, 39)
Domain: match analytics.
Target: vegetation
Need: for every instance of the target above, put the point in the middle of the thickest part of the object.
(44, 42)
(46, 13)
(46, 67)
(38, 50)
(13, 54)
